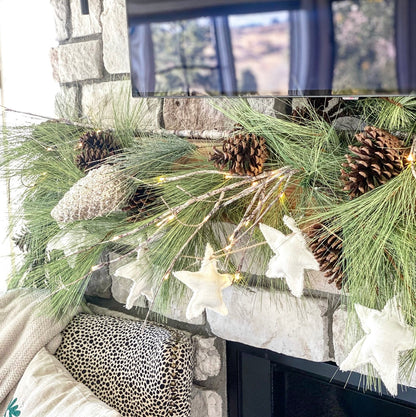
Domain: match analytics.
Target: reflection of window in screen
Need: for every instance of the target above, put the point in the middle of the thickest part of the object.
(365, 49)
(261, 51)
(185, 57)
(187, 54)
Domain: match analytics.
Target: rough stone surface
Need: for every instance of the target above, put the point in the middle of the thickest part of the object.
(254, 262)
(99, 284)
(275, 321)
(342, 341)
(316, 280)
(115, 43)
(80, 61)
(88, 24)
(120, 286)
(100, 99)
(263, 105)
(66, 104)
(353, 124)
(193, 114)
(176, 310)
(61, 14)
(299, 102)
(207, 358)
(205, 403)
(54, 59)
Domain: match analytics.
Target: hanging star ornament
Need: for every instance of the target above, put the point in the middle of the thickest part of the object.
(140, 271)
(207, 285)
(292, 255)
(387, 334)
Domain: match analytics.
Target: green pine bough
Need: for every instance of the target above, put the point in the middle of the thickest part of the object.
(186, 202)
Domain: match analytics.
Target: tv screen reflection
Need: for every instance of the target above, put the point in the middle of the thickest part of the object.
(272, 48)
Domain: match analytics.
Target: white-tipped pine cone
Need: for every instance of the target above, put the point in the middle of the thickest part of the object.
(97, 194)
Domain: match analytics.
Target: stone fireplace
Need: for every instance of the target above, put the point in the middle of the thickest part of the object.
(270, 343)
(91, 64)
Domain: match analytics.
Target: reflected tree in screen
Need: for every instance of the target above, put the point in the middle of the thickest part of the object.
(185, 56)
(365, 50)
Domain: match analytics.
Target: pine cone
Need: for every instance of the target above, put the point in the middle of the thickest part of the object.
(327, 249)
(139, 202)
(242, 154)
(379, 158)
(219, 158)
(99, 193)
(95, 146)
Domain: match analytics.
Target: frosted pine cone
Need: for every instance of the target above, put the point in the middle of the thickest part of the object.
(99, 193)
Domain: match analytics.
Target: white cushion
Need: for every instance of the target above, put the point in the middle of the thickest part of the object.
(48, 390)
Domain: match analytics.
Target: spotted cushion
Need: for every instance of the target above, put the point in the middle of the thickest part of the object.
(139, 371)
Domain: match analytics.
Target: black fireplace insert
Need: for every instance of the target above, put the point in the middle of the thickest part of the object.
(267, 384)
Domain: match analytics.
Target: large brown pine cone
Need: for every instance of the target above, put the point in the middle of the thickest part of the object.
(379, 157)
(327, 249)
(242, 154)
(95, 146)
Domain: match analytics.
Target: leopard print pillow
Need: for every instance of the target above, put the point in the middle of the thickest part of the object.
(141, 372)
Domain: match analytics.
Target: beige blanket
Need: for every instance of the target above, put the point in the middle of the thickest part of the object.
(24, 330)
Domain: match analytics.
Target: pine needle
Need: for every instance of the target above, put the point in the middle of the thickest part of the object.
(390, 113)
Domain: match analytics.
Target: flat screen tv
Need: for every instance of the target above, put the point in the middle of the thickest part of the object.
(272, 48)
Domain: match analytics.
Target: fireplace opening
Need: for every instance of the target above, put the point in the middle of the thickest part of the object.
(267, 384)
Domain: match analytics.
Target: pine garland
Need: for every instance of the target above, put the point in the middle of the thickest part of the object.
(192, 199)
(390, 113)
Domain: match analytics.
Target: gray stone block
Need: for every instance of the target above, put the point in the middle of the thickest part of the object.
(194, 114)
(85, 24)
(80, 61)
(207, 358)
(254, 262)
(176, 309)
(54, 60)
(342, 342)
(66, 104)
(348, 123)
(316, 280)
(120, 287)
(263, 105)
(275, 321)
(101, 100)
(115, 43)
(205, 403)
(99, 284)
(61, 15)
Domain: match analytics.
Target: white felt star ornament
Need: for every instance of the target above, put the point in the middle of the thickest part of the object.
(207, 285)
(387, 334)
(292, 255)
(140, 271)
